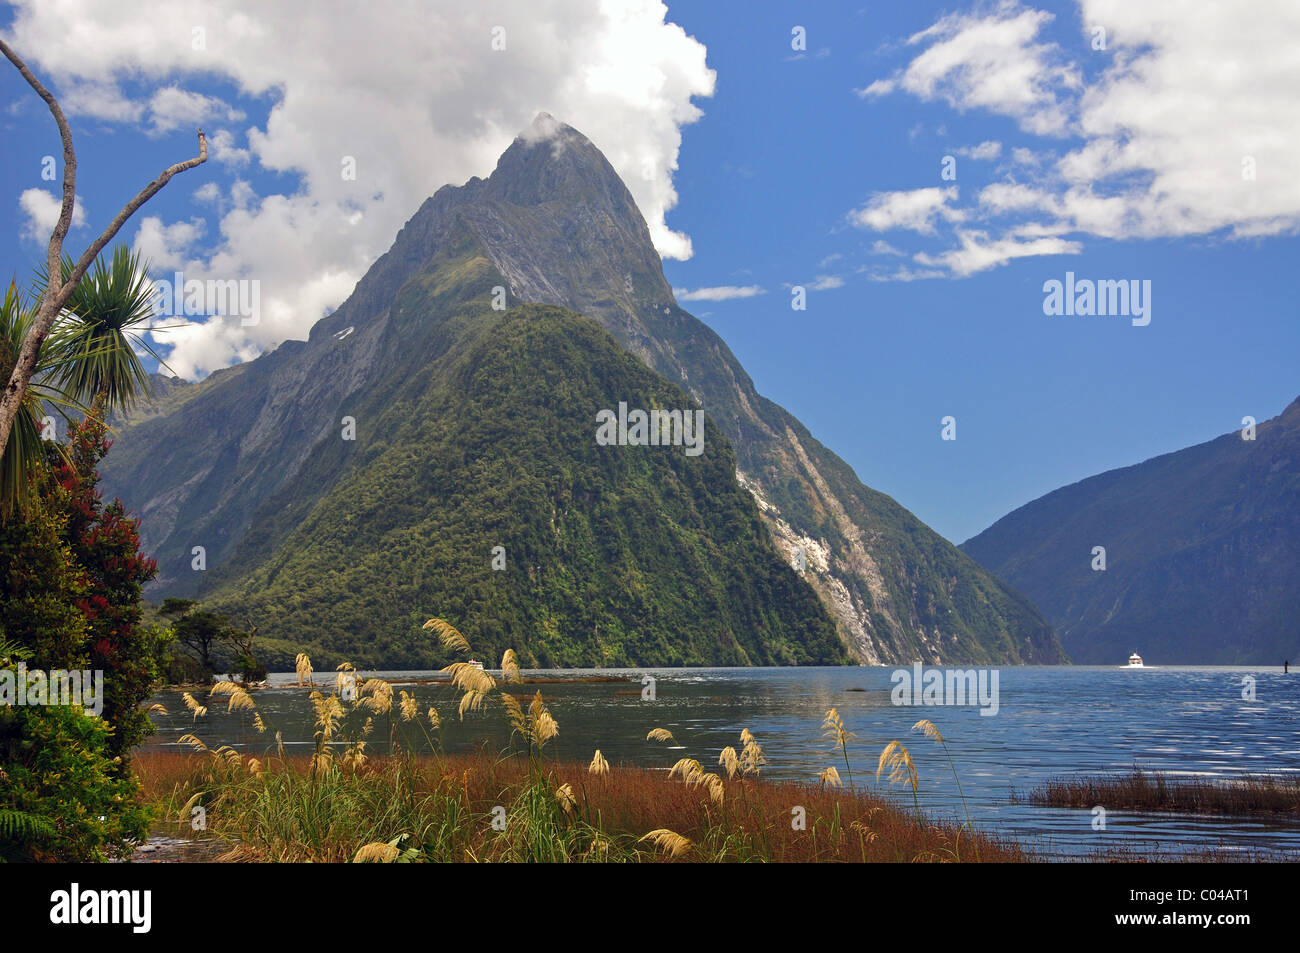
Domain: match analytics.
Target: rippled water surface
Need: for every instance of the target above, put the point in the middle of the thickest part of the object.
(1051, 722)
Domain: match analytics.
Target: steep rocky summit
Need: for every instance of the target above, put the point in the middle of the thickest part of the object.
(553, 225)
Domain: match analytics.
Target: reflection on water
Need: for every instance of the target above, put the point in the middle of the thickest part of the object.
(1051, 722)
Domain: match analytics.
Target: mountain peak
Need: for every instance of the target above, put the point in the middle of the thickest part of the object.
(546, 126)
(551, 161)
(555, 225)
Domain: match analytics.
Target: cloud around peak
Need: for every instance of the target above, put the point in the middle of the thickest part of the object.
(366, 112)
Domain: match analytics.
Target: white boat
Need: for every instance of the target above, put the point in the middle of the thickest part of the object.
(475, 663)
(1135, 661)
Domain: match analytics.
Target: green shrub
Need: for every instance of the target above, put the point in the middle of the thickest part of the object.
(62, 795)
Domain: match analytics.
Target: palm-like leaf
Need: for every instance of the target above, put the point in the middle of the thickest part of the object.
(24, 451)
(95, 358)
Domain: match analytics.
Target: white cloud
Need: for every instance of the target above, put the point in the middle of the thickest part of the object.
(882, 247)
(167, 246)
(991, 62)
(905, 273)
(221, 146)
(207, 193)
(41, 209)
(826, 283)
(1011, 196)
(1162, 139)
(172, 108)
(1027, 157)
(1038, 229)
(979, 253)
(990, 149)
(914, 210)
(1186, 100)
(719, 293)
(219, 342)
(411, 89)
(100, 100)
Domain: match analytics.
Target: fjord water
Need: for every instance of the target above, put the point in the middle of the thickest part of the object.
(1051, 722)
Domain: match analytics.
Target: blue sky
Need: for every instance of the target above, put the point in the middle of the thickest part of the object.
(1115, 163)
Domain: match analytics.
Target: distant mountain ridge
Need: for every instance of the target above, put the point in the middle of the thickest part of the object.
(558, 226)
(1202, 554)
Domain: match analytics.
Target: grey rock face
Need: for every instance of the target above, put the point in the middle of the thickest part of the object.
(561, 228)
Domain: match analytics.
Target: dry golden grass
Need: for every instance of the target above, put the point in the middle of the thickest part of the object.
(751, 754)
(833, 728)
(329, 711)
(674, 845)
(345, 675)
(198, 710)
(376, 695)
(263, 803)
(564, 796)
(446, 805)
(447, 635)
(829, 776)
(515, 713)
(926, 726)
(898, 762)
(408, 706)
(376, 852)
(470, 678)
(510, 667)
(688, 769)
(544, 728)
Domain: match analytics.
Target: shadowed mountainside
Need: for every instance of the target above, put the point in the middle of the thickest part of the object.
(1202, 554)
(558, 227)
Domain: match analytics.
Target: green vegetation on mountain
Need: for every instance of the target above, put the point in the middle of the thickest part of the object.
(239, 463)
(613, 555)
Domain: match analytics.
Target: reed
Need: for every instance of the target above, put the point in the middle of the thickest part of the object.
(409, 806)
(833, 727)
(1138, 790)
(928, 728)
(441, 809)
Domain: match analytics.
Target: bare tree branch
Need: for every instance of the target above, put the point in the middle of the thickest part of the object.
(58, 291)
(145, 194)
(69, 160)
